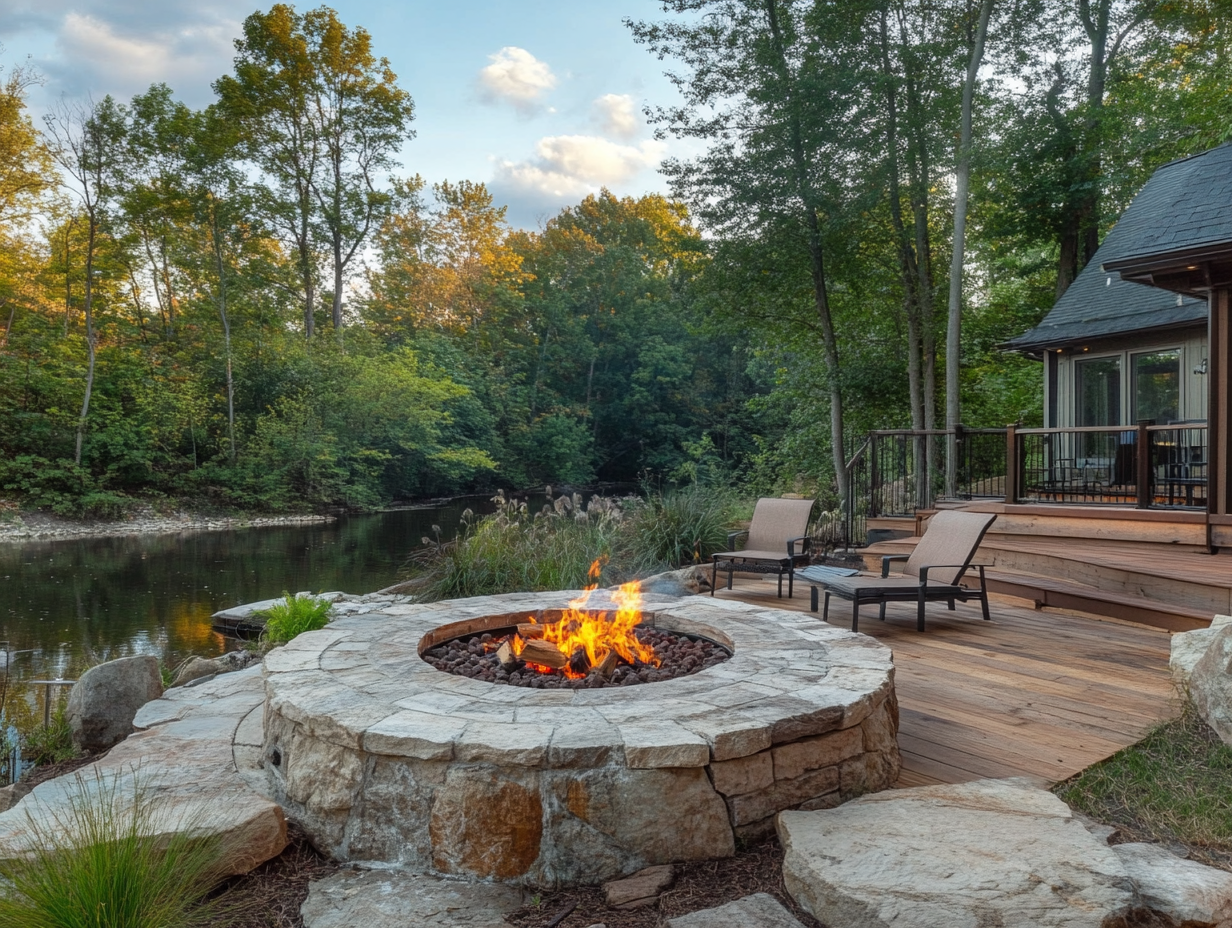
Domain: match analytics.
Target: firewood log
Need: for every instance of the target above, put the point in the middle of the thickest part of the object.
(538, 651)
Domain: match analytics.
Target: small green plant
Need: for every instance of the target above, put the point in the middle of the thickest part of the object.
(106, 862)
(53, 744)
(293, 616)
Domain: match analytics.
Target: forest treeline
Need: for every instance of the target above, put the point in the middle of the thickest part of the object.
(255, 305)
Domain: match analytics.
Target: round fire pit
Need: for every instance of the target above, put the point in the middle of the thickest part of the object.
(383, 758)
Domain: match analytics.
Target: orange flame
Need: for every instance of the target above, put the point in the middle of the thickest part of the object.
(598, 633)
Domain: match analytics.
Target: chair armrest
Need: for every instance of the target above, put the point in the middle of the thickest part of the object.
(887, 559)
(805, 543)
(924, 571)
(732, 536)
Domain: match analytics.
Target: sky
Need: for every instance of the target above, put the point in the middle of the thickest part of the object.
(542, 102)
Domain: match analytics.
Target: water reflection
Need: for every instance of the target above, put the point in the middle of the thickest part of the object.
(66, 602)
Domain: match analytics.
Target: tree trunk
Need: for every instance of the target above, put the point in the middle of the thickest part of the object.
(9, 328)
(962, 187)
(816, 254)
(226, 334)
(90, 344)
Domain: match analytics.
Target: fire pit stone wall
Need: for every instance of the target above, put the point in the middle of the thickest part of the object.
(386, 760)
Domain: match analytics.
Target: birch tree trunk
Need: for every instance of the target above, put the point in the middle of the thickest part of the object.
(962, 188)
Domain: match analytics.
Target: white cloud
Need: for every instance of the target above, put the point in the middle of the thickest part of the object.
(617, 115)
(572, 165)
(98, 56)
(516, 76)
(566, 168)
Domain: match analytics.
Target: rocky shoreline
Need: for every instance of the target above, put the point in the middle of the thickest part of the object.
(16, 528)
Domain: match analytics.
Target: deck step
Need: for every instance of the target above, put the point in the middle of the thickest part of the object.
(1176, 590)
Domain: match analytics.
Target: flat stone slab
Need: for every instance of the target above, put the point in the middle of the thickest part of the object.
(992, 852)
(388, 761)
(642, 888)
(1185, 891)
(185, 760)
(384, 899)
(757, 911)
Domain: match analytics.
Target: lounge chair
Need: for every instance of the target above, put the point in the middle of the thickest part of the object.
(777, 543)
(932, 572)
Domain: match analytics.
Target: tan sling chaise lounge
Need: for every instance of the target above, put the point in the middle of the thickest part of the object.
(932, 572)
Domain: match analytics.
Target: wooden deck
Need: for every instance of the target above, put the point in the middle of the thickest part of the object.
(1030, 693)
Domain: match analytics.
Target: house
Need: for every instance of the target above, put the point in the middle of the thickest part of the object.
(1116, 505)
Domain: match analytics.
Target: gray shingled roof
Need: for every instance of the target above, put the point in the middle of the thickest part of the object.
(1186, 204)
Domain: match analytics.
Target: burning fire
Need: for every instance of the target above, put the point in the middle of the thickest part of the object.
(597, 633)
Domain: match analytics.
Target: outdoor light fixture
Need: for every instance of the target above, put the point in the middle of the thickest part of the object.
(1201, 368)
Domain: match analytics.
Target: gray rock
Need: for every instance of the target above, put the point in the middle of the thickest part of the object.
(992, 852)
(758, 911)
(642, 888)
(197, 668)
(1185, 891)
(385, 899)
(1187, 649)
(687, 581)
(103, 703)
(1210, 684)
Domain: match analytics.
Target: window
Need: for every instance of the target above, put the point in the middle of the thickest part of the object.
(1157, 386)
(1099, 391)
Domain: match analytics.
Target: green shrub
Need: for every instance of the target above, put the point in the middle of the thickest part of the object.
(294, 615)
(52, 744)
(103, 864)
(679, 527)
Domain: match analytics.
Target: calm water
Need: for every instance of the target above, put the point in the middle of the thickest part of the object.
(104, 598)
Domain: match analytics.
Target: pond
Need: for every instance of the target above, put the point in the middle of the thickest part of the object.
(66, 603)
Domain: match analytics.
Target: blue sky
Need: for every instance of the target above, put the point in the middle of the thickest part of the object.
(540, 101)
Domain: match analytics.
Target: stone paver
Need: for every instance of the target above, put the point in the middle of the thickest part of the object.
(757, 911)
(992, 852)
(185, 760)
(373, 744)
(381, 899)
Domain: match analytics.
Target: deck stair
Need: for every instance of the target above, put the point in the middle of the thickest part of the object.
(1117, 563)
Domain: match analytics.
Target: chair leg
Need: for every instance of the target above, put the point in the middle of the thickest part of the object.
(984, 605)
(731, 573)
(714, 577)
(791, 583)
(780, 584)
(825, 608)
(813, 598)
(919, 615)
(855, 614)
(950, 604)
(882, 613)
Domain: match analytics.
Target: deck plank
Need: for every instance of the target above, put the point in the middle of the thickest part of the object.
(1029, 694)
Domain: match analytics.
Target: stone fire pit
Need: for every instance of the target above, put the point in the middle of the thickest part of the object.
(386, 760)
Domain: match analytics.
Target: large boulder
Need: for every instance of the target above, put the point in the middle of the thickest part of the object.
(103, 703)
(992, 852)
(1210, 684)
(1187, 649)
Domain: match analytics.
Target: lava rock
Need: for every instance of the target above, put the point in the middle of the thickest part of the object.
(104, 702)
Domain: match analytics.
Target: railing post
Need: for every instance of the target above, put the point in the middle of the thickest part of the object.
(1011, 463)
(1145, 475)
(874, 489)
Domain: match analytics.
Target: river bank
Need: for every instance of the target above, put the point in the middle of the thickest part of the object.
(20, 526)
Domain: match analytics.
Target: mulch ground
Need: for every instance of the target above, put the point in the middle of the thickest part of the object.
(699, 885)
(44, 772)
(271, 895)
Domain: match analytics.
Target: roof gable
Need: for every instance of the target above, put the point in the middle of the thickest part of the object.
(1186, 204)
